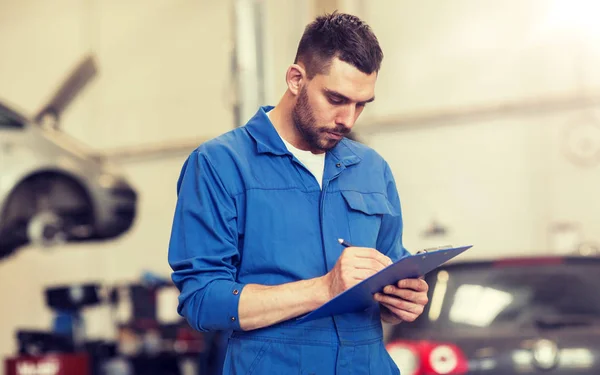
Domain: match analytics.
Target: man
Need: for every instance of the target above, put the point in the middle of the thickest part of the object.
(260, 210)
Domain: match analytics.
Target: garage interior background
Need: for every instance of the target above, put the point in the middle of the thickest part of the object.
(488, 113)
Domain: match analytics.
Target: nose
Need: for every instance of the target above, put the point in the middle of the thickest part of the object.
(346, 117)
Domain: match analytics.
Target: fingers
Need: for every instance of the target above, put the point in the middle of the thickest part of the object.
(353, 274)
(368, 264)
(355, 265)
(361, 274)
(356, 276)
(406, 294)
(418, 285)
(405, 315)
(351, 263)
(368, 253)
(400, 304)
(350, 280)
(406, 303)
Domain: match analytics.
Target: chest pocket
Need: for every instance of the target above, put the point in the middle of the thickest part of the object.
(365, 212)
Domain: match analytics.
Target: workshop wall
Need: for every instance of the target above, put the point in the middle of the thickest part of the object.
(164, 75)
(489, 114)
(466, 53)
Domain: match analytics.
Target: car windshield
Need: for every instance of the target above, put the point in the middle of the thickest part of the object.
(489, 296)
(8, 115)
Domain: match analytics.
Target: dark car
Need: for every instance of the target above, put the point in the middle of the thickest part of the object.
(537, 315)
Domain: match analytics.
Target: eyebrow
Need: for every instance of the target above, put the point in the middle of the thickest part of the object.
(344, 97)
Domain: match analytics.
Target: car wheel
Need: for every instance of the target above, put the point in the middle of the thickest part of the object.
(46, 228)
(45, 209)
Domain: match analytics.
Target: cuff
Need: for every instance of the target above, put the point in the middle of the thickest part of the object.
(224, 297)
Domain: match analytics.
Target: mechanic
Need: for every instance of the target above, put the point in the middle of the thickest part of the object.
(260, 209)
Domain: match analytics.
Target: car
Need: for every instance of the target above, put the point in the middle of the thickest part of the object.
(52, 188)
(518, 315)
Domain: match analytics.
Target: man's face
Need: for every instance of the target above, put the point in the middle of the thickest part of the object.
(328, 105)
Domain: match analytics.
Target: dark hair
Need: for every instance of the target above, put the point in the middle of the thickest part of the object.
(339, 35)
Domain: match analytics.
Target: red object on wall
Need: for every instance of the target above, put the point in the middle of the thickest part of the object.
(51, 364)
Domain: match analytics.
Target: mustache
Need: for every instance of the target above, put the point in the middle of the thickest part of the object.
(338, 130)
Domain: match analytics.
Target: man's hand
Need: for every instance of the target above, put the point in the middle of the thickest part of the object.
(354, 265)
(404, 301)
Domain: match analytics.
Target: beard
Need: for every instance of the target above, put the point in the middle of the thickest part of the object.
(314, 135)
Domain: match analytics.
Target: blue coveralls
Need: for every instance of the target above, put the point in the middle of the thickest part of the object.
(249, 212)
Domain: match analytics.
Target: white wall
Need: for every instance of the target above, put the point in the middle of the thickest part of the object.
(163, 75)
(470, 52)
(285, 22)
(500, 182)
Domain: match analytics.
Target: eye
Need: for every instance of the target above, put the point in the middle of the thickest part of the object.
(335, 100)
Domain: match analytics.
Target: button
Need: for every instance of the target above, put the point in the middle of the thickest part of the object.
(236, 292)
(338, 165)
(233, 318)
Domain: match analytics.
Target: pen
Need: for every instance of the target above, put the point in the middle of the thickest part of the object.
(344, 243)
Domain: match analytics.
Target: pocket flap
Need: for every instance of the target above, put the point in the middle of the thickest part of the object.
(369, 203)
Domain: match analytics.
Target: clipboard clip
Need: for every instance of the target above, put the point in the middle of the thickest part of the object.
(424, 251)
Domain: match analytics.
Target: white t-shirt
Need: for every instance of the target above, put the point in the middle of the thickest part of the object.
(315, 163)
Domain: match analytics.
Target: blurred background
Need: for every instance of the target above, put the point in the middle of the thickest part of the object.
(487, 111)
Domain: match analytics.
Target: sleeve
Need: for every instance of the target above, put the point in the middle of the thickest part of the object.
(389, 240)
(203, 251)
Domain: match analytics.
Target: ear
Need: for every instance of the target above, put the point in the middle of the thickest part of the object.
(295, 77)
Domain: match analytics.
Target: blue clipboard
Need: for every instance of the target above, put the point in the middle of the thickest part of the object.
(360, 297)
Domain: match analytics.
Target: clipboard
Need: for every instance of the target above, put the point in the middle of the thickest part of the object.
(360, 297)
